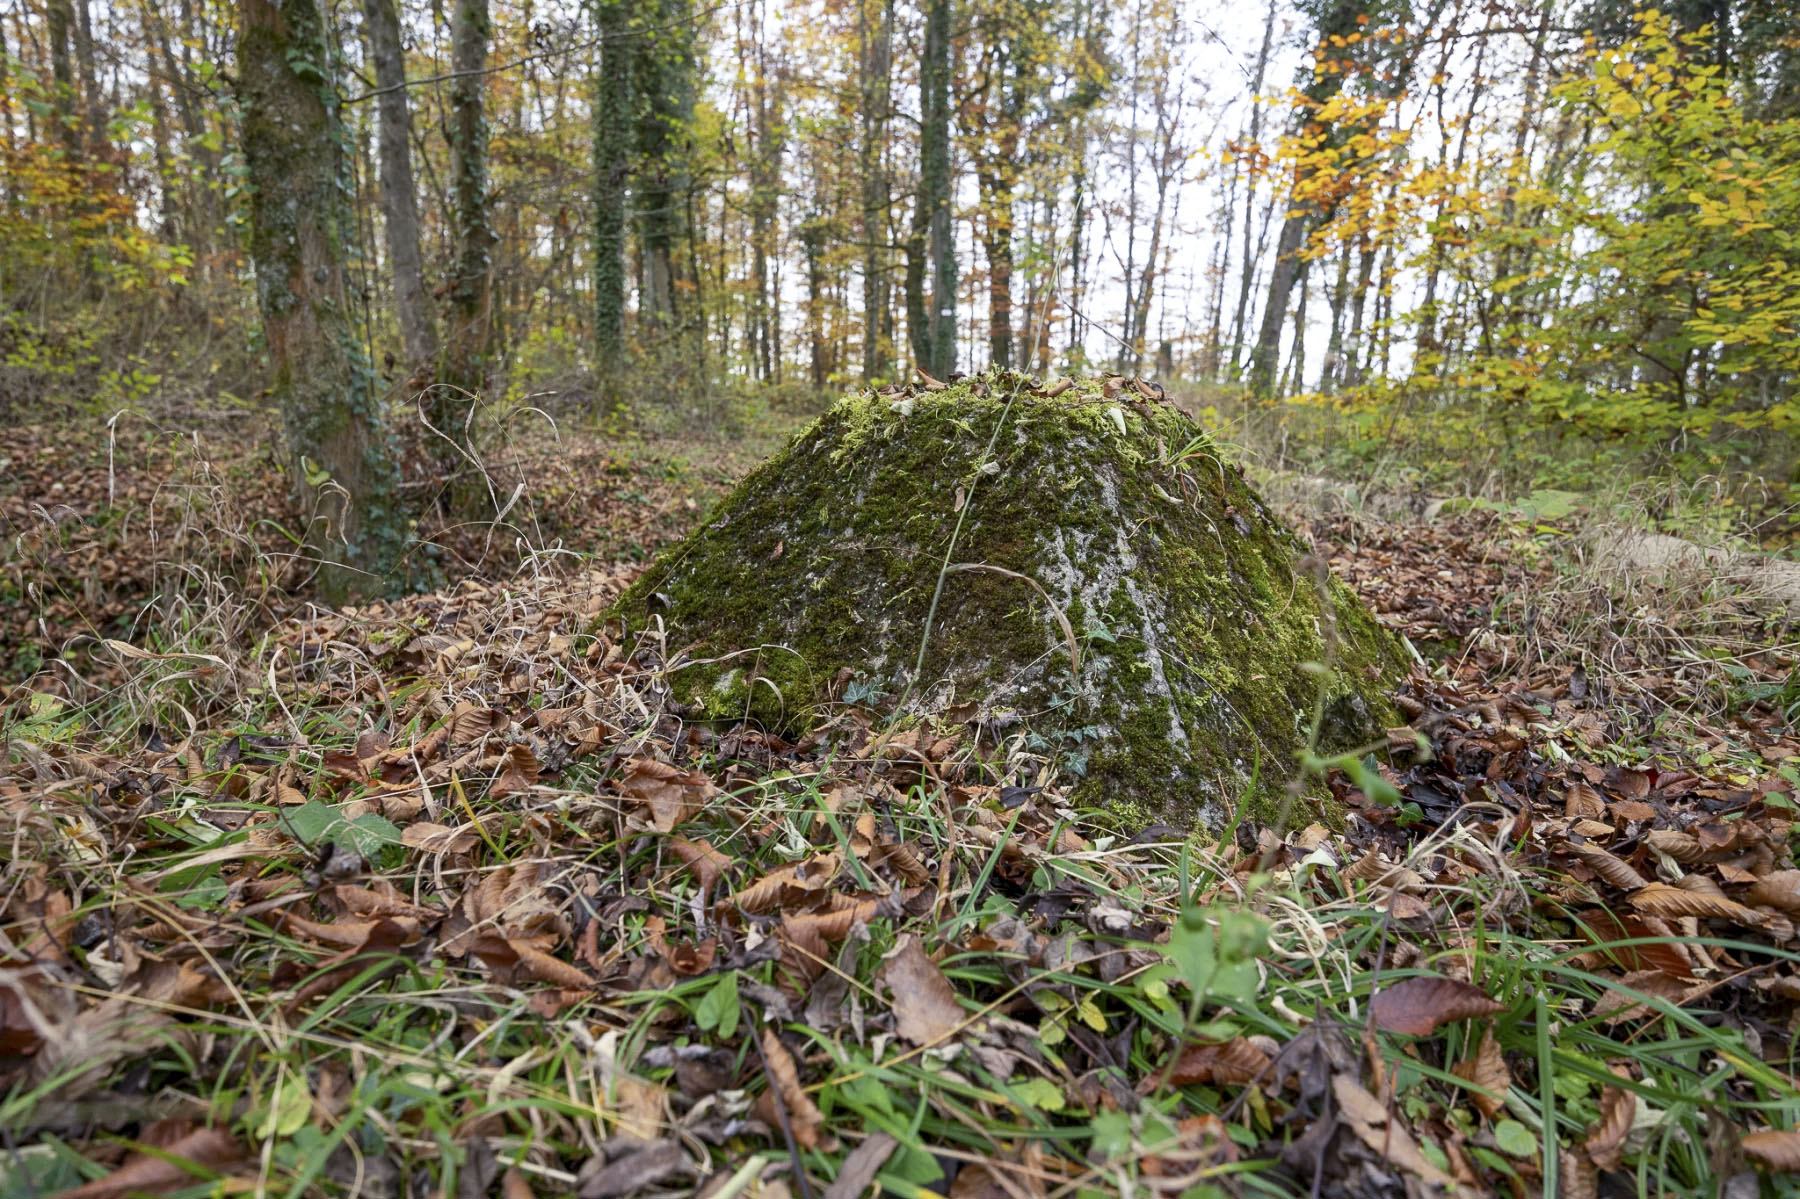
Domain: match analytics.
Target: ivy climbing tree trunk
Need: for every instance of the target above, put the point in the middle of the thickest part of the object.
(399, 204)
(336, 444)
(664, 74)
(468, 358)
(935, 185)
(876, 24)
(612, 170)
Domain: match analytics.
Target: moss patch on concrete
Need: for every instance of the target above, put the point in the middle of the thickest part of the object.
(1197, 619)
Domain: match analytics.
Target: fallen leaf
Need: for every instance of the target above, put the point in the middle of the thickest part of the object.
(859, 1168)
(1486, 1068)
(926, 1011)
(1420, 1005)
(1778, 890)
(672, 795)
(1606, 1137)
(804, 1119)
(1232, 1063)
(202, 1154)
(1776, 1148)
(1368, 1118)
(518, 772)
(1660, 899)
(427, 837)
(1610, 867)
(705, 863)
(642, 1165)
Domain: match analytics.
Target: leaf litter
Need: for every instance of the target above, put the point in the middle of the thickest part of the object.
(457, 884)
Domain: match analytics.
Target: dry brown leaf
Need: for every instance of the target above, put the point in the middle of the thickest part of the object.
(1778, 890)
(514, 1185)
(518, 772)
(670, 794)
(1233, 1063)
(427, 837)
(804, 1119)
(1368, 1118)
(1606, 1137)
(1666, 902)
(209, 1152)
(1486, 1068)
(1615, 1005)
(1582, 802)
(1775, 1148)
(1420, 1005)
(859, 1168)
(1680, 846)
(1578, 1178)
(926, 1011)
(782, 885)
(705, 863)
(1609, 866)
(549, 969)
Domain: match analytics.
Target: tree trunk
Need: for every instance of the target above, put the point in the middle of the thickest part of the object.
(935, 184)
(997, 242)
(1281, 290)
(399, 204)
(343, 471)
(95, 115)
(468, 356)
(877, 70)
(612, 169)
(664, 73)
(62, 74)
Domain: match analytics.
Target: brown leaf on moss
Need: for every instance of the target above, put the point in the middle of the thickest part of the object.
(1420, 1005)
(926, 1011)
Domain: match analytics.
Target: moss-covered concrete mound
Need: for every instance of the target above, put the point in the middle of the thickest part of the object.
(1119, 602)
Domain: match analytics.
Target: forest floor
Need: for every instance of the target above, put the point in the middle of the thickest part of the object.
(445, 895)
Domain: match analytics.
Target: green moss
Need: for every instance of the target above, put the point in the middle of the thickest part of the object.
(1179, 584)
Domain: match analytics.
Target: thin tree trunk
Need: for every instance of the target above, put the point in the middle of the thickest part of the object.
(61, 20)
(877, 72)
(936, 186)
(340, 461)
(612, 169)
(468, 356)
(399, 203)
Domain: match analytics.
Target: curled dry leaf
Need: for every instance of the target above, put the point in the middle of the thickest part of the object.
(705, 863)
(1421, 1005)
(671, 795)
(1486, 1068)
(926, 1010)
(1606, 1137)
(1683, 847)
(789, 882)
(518, 772)
(804, 1119)
(1666, 902)
(1609, 866)
(1775, 1148)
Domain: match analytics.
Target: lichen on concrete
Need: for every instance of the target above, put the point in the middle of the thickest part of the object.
(1195, 612)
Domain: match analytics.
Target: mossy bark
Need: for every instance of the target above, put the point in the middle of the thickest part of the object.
(336, 440)
(1199, 626)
